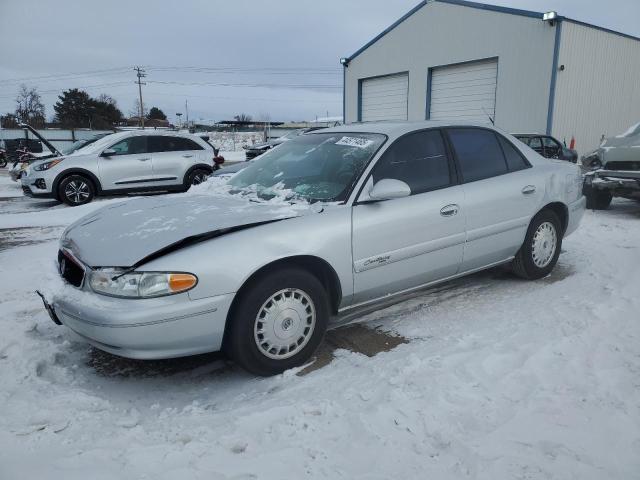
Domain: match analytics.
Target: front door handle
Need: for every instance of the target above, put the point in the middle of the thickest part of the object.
(144, 159)
(529, 189)
(449, 210)
(186, 155)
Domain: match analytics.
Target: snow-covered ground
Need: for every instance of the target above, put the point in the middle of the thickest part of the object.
(500, 379)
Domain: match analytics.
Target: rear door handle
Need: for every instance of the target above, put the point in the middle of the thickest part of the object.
(144, 159)
(529, 189)
(187, 155)
(449, 210)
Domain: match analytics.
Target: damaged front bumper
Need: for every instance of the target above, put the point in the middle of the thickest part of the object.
(619, 182)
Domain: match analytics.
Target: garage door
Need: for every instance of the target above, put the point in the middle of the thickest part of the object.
(464, 92)
(384, 98)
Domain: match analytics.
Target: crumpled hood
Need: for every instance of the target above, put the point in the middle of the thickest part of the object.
(123, 234)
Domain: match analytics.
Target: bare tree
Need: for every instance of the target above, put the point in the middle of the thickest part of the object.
(135, 110)
(243, 117)
(108, 99)
(29, 107)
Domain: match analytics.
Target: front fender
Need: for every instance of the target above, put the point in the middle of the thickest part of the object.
(225, 263)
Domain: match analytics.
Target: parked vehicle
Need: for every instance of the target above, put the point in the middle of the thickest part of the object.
(259, 149)
(547, 146)
(3, 158)
(132, 161)
(613, 170)
(369, 213)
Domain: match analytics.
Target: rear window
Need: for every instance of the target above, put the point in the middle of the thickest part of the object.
(164, 143)
(478, 153)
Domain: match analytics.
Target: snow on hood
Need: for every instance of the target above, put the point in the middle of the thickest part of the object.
(123, 234)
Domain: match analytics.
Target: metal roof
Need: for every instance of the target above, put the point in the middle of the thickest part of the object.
(482, 6)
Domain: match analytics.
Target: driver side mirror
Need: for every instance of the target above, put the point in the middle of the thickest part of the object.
(109, 152)
(388, 189)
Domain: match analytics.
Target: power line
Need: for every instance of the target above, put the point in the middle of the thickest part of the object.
(65, 76)
(254, 85)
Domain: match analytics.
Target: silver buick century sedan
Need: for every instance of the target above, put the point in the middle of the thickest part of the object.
(328, 224)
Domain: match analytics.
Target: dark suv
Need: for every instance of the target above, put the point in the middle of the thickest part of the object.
(547, 146)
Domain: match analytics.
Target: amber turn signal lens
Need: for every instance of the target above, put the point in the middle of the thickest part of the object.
(179, 282)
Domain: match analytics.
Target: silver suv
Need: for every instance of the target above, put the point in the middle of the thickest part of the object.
(125, 162)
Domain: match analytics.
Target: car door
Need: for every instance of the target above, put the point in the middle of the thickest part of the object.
(129, 167)
(501, 193)
(172, 156)
(403, 243)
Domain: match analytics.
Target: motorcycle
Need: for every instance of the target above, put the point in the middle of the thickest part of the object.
(21, 162)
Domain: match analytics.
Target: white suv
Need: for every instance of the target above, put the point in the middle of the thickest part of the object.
(125, 162)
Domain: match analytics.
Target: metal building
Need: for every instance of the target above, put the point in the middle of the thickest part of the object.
(527, 71)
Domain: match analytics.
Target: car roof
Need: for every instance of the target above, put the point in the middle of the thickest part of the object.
(397, 128)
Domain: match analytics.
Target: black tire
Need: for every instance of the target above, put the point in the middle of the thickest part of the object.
(196, 177)
(76, 190)
(597, 199)
(3, 162)
(242, 338)
(529, 264)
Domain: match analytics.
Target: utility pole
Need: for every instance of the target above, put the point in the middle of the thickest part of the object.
(140, 74)
(186, 109)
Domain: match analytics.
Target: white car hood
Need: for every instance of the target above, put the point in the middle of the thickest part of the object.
(130, 233)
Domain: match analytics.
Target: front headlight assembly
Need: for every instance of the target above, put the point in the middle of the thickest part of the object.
(117, 283)
(47, 165)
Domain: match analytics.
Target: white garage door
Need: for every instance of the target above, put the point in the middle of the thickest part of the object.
(384, 98)
(464, 92)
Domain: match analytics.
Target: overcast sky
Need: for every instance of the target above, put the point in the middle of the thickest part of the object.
(277, 58)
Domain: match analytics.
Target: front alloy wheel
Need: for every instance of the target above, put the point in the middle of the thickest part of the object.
(76, 190)
(278, 321)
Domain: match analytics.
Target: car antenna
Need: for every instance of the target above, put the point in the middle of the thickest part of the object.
(490, 119)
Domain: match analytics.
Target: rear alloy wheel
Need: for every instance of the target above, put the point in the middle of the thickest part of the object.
(76, 190)
(541, 248)
(196, 177)
(278, 322)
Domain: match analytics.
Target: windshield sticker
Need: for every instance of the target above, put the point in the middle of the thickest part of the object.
(355, 142)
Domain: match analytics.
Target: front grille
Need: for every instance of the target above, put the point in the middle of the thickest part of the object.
(629, 165)
(69, 269)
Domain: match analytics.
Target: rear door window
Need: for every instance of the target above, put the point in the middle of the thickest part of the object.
(179, 144)
(515, 159)
(536, 144)
(131, 146)
(478, 152)
(552, 148)
(418, 159)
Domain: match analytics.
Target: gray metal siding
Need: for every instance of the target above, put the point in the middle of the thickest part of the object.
(442, 34)
(598, 92)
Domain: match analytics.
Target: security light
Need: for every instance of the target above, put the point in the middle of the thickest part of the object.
(344, 61)
(550, 17)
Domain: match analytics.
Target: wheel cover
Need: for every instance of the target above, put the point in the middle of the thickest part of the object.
(198, 178)
(76, 191)
(544, 244)
(284, 324)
